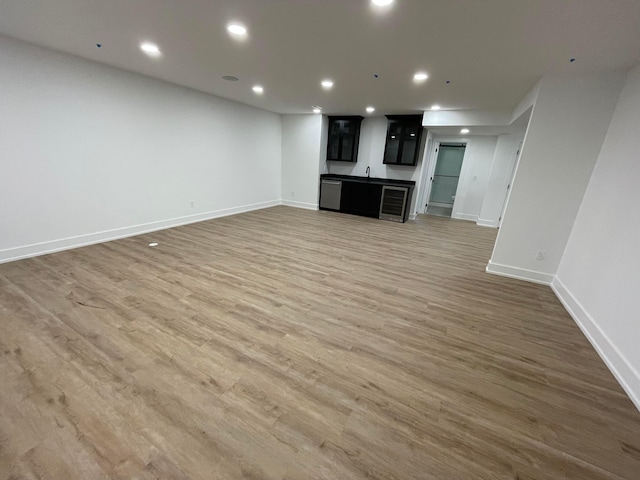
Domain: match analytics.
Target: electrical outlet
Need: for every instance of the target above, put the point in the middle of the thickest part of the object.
(540, 254)
(192, 203)
(292, 194)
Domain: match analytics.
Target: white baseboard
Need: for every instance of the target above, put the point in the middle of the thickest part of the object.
(625, 373)
(307, 206)
(519, 273)
(487, 223)
(33, 250)
(465, 216)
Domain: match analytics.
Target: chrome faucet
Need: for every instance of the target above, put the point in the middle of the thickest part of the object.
(368, 171)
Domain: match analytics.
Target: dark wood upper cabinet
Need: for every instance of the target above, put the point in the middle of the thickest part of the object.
(344, 135)
(403, 140)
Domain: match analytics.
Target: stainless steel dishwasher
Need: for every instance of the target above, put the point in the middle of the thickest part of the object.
(330, 194)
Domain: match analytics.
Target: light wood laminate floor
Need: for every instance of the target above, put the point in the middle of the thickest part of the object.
(292, 344)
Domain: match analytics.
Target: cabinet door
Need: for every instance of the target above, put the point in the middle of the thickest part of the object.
(403, 139)
(394, 139)
(349, 195)
(349, 137)
(373, 202)
(353, 198)
(410, 138)
(361, 199)
(342, 142)
(333, 148)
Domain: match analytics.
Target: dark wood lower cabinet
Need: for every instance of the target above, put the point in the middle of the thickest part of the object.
(361, 199)
(363, 195)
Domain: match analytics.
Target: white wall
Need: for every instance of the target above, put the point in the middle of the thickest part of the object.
(373, 136)
(89, 152)
(474, 176)
(599, 275)
(525, 104)
(500, 174)
(464, 118)
(301, 146)
(567, 126)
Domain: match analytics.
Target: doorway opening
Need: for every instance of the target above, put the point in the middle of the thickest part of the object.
(444, 182)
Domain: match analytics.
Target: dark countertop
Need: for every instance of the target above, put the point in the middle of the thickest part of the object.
(374, 180)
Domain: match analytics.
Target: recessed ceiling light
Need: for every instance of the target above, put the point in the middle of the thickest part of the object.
(464, 130)
(150, 49)
(382, 3)
(420, 77)
(327, 84)
(258, 89)
(413, 134)
(237, 29)
(317, 110)
(230, 78)
(370, 109)
(435, 107)
(153, 244)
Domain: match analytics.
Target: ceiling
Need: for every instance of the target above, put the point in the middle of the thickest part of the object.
(491, 51)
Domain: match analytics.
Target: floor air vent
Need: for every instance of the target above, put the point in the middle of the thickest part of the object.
(394, 203)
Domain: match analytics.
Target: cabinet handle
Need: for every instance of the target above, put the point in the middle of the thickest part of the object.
(331, 182)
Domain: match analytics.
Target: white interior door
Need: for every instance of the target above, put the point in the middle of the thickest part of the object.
(427, 172)
(512, 176)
